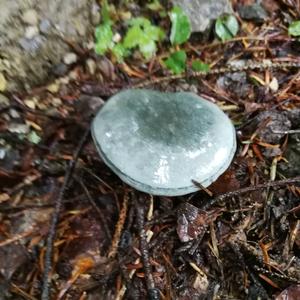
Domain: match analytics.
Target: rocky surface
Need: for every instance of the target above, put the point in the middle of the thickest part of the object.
(203, 12)
(254, 12)
(33, 35)
(276, 125)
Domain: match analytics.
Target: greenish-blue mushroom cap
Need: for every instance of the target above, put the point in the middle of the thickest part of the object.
(159, 142)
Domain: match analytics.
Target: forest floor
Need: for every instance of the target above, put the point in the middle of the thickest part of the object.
(110, 242)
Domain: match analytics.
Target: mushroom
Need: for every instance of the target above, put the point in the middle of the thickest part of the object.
(159, 142)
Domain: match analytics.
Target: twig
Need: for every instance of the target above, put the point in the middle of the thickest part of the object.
(153, 293)
(16, 290)
(239, 256)
(23, 107)
(119, 227)
(237, 39)
(250, 189)
(292, 131)
(123, 289)
(201, 187)
(97, 209)
(55, 217)
(17, 237)
(266, 64)
(276, 275)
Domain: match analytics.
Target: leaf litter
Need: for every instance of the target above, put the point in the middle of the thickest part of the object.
(239, 240)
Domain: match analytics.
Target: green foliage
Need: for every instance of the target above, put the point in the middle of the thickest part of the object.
(105, 12)
(181, 27)
(141, 34)
(226, 27)
(103, 32)
(144, 35)
(176, 62)
(33, 137)
(104, 35)
(294, 28)
(199, 66)
(155, 5)
(120, 51)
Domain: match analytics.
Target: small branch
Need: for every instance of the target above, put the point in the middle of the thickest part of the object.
(97, 209)
(55, 218)
(292, 131)
(153, 293)
(251, 189)
(17, 237)
(252, 65)
(119, 228)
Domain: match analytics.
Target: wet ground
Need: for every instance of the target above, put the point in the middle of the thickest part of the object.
(238, 240)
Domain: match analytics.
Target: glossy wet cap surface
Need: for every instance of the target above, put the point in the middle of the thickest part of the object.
(158, 142)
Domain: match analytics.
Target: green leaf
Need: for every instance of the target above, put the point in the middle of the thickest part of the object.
(147, 47)
(120, 52)
(176, 62)
(144, 35)
(294, 28)
(140, 21)
(199, 66)
(154, 32)
(226, 27)
(104, 37)
(33, 137)
(105, 12)
(133, 37)
(155, 5)
(181, 27)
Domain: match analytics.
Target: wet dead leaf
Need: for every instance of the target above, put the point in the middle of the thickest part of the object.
(190, 222)
(290, 293)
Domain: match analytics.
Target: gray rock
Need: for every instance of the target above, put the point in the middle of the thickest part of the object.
(30, 17)
(88, 105)
(27, 60)
(159, 142)
(45, 26)
(59, 69)
(31, 31)
(236, 83)
(32, 45)
(14, 113)
(294, 116)
(254, 12)
(203, 12)
(18, 128)
(70, 58)
(2, 153)
(278, 123)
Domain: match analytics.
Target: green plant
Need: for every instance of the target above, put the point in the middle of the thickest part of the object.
(143, 35)
(180, 33)
(226, 27)
(294, 28)
(103, 32)
(199, 66)
(176, 62)
(104, 35)
(181, 27)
